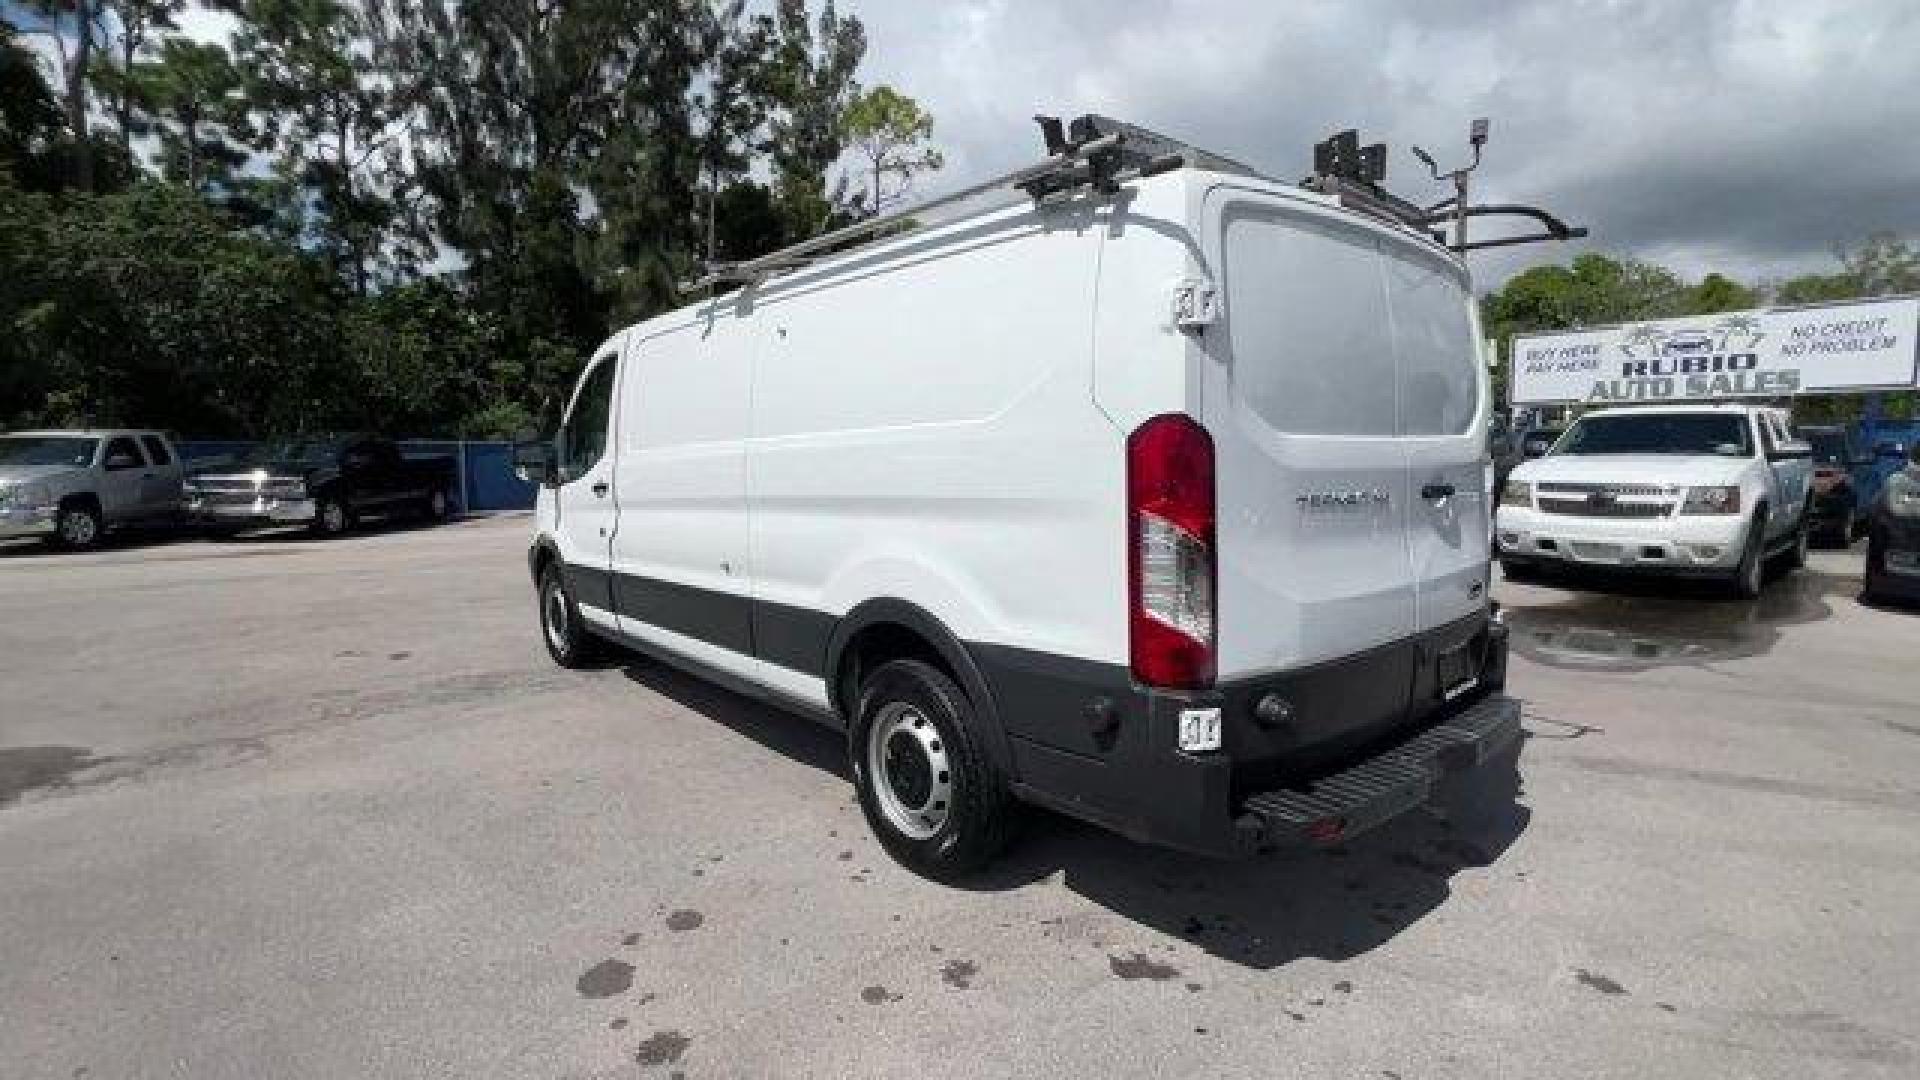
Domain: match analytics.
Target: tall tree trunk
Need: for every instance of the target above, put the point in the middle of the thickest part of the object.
(84, 14)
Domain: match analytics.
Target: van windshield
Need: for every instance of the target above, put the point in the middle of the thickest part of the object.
(1338, 331)
(1657, 433)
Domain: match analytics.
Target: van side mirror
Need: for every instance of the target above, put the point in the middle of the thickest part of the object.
(534, 460)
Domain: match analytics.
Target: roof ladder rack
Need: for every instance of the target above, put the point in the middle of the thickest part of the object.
(1096, 152)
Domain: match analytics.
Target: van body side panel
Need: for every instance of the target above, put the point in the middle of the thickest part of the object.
(923, 429)
(680, 557)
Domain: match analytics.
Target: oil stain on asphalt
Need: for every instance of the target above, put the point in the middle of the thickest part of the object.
(958, 974)
(662, 1048)
(1141, 966)
(605, 979)
(683, 920)
(1598, 982)
(878, 995)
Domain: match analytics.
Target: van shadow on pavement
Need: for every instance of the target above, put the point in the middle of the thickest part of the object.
(1262, 912)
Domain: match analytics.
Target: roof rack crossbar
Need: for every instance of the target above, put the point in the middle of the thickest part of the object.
(802, 252)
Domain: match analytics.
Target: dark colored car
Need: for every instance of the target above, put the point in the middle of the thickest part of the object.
(1843, 481)
(324, 482)
(1893, 536)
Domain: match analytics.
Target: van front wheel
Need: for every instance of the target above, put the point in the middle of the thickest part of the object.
(566, 636)
(930, 791)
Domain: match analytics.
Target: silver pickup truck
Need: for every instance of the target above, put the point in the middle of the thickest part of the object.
(70, 487)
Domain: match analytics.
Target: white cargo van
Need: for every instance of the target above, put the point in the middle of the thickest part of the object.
(1156, 498)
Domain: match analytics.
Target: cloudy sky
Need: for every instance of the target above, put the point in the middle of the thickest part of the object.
(1747, 136)
(1742, 135)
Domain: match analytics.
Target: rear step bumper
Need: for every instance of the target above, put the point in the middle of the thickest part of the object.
(1347, 803)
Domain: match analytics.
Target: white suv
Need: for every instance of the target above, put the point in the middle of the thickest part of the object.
(1161, 508)
(1708, 490)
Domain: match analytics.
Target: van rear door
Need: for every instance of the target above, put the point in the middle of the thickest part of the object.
(1312, 480)
(1442, 402)
(1351, 453)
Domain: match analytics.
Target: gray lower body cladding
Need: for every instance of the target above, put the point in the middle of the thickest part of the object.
(1350, 743)
(1081, 738)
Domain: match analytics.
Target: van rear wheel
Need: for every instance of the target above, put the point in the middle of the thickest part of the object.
(930, 791)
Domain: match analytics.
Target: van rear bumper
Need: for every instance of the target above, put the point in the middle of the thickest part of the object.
(1222, 804)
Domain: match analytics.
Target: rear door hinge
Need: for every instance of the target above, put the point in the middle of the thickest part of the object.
(1196, 305)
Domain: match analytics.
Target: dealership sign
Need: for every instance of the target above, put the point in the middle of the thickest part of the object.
(1834, 348)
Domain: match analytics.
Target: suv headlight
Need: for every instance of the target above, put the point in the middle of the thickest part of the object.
(1903, 495)
(1720, 499)
(1516, 493)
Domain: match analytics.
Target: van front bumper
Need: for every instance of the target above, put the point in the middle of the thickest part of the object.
(1708, 544)
(1275, 782)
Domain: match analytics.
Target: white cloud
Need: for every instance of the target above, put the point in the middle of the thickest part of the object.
(1747, 136)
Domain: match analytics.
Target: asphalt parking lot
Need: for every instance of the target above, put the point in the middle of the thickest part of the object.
(288, 808)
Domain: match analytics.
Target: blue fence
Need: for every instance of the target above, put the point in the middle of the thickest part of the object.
(483, 470)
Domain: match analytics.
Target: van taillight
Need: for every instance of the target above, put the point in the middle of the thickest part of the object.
(1170, 553)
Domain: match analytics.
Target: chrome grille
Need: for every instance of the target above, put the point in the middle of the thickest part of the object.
(1608, 500)
(1588, 508)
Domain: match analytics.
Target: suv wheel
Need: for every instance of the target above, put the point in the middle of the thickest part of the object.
(568, 641)
(1751, 575)
(77, 527)
(1872, 586)
(930, 791)
(1795, 557)
(331, 517)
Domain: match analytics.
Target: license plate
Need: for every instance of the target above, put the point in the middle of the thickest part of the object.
(1455, 671)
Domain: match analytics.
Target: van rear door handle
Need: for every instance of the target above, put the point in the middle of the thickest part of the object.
(600, 489)
(1437, 491)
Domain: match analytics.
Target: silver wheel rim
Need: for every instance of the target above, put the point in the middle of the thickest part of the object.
(556, 619)
(334, 517)
(912, 774)
(78, 528)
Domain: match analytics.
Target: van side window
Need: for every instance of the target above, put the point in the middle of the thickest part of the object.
(584, 438)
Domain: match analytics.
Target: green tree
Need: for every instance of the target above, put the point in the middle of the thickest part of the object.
(808, 84)
(893, 136)
(138, 23)
(334, 125)
(29, 114)
(194, 92)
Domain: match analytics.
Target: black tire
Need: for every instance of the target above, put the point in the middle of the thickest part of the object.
(922, 707)
(331, 516)
(437, 506)
(1872, 587)
(1795, 556)
(78, 527)
(562, 630)
(1517, 570)
(1751, 575)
